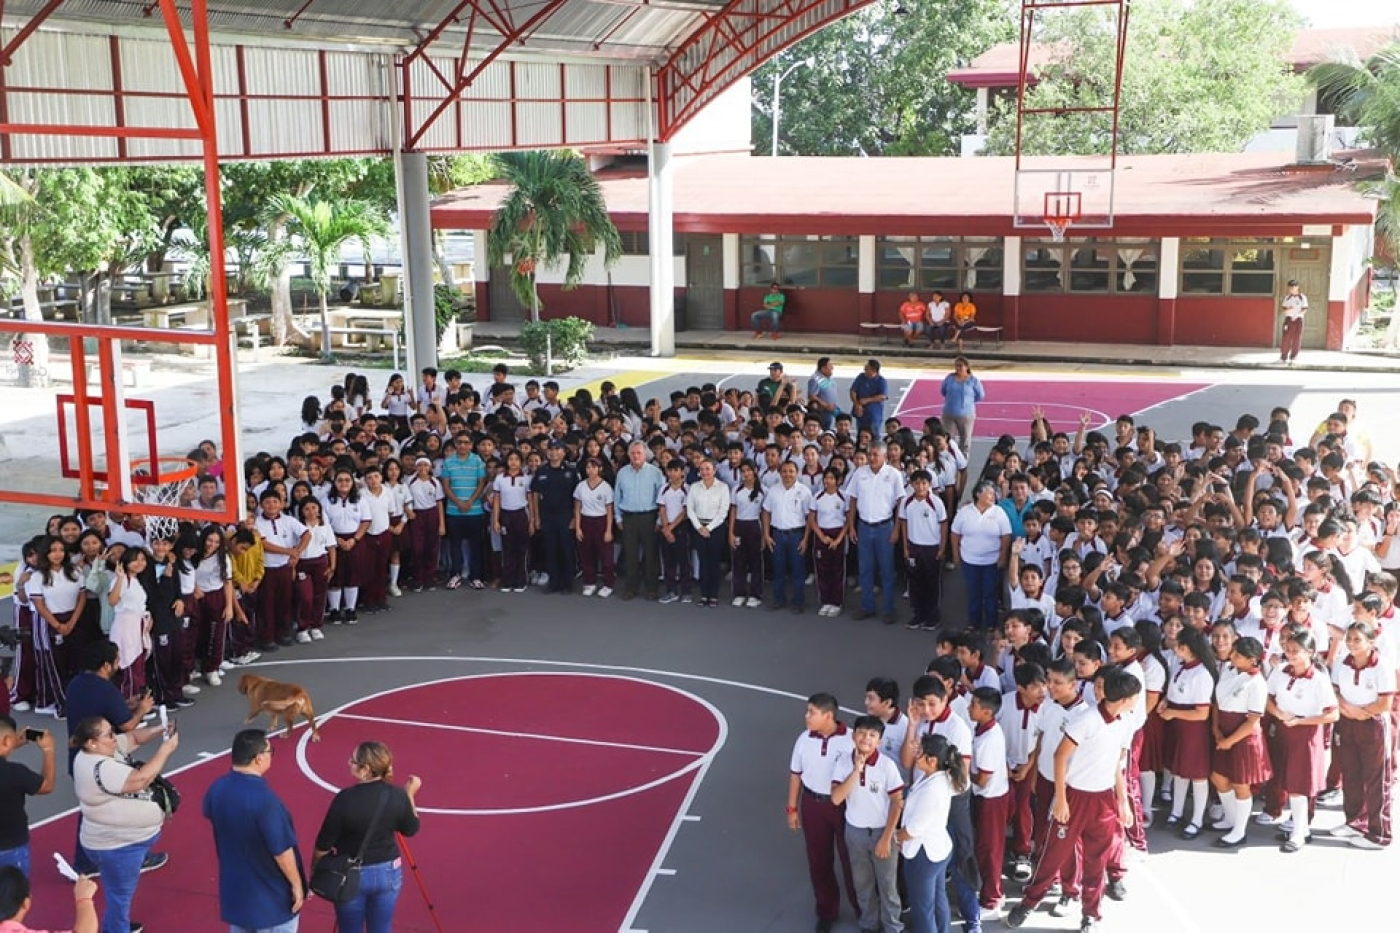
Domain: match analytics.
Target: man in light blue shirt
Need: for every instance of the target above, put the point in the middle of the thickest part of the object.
(635, 494)
(464, 484)
(821, 393)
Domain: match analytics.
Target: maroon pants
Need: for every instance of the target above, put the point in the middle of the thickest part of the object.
(824, 830)
(515, 547)
(595, 552)
(1362, 754)
(242, 638)
(1090, 831)
(830, 569)
(748, 560)
(1292, 339)
(310, 592)
(132, 678)
(1022, 820)
(190, 645)
(1066, 872)
(375, 562)
(51, 662)
(1136, 835)
(423, 539)
(274, 603)
(209, 618)
(989, 818)
(24, 657)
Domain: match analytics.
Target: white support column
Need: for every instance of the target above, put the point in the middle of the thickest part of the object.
(415, 227)
(1339, 275)
(1011, 266)
(660, 246)
(865, 266)
(1168, 267)
(730, 259)
(481, 269)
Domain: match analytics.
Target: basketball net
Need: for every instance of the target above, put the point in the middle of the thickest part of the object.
(1058, 226)
(176, 487)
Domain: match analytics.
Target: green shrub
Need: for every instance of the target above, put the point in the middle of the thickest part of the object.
(570, 338)
(446, 306)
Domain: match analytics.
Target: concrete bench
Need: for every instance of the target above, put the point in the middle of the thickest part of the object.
(137, 368)
(884, 332)
(982, 334)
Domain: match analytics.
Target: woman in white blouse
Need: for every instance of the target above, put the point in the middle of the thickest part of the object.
(707, 507)
(939, 772)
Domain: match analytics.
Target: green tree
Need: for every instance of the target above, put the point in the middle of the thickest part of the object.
(320, 229)
(877, 84)
(1197, 77)
(554, 213)
(1367, 94)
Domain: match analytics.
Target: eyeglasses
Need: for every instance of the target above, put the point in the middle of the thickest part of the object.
(266, 751)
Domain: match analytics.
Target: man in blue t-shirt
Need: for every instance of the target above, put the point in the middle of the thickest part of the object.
(261, 882)
(868, 393)
(464, 484)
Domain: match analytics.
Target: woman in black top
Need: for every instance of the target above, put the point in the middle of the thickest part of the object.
(344, 828)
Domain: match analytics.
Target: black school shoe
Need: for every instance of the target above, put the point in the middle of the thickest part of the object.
(1017, 917)
(1116, 890)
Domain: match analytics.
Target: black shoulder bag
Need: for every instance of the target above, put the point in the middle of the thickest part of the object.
(336, 877)
(160, 791)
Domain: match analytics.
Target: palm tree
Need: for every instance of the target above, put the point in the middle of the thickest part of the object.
(554, 211)
(1386, 191)
(1367, 93)
(321, 229)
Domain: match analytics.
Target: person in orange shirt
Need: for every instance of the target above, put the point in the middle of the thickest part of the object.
(964, 318)
(913, 318)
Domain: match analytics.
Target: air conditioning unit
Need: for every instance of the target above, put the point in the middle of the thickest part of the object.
(1314, 139)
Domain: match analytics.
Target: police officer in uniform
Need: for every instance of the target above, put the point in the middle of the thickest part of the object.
(553, 489)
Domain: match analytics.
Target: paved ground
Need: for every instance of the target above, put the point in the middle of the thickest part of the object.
(736, 867)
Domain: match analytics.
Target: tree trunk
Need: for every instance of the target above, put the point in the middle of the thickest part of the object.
(281, 292)
(440, 259)
(325, 330)
(37, 374)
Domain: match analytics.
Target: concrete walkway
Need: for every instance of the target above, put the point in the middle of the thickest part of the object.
(723, 344)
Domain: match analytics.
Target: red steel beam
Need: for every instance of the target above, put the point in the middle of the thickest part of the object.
(291, 21)
(106, 132)
(7, 54)
(73, 332)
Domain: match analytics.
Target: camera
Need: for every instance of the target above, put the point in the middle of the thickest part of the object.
(33, 735)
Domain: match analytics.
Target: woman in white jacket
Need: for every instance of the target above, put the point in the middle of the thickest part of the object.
(940, 772)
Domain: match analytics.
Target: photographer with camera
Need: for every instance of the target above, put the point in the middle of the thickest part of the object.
(122, 817)
(18, 782)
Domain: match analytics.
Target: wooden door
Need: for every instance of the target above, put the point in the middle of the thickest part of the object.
(1311, 267)
(704, 282)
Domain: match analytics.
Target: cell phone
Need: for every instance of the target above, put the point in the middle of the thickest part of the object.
(33, 735)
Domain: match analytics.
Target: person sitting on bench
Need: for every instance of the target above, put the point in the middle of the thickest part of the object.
(770, 318)
(964, 318)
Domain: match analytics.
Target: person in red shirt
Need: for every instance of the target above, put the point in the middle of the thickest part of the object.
(913, 319)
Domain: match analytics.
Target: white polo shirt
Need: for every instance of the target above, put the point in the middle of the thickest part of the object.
(1238, 692)
(1191, 685)
(514, 491)
(923, 520)
(1051, 728)
(593, 500)
(1363, 685)
(953, 728)
(1307, 694)
(893, 737)
(380, 509)
(787, 507)
(814, 757)
(345, 516)
(1137, 713)
(284, 531)
(424, 494)
(877, 494)
(1018, 728)
(989, 757)
(1099, 742)
(981, 533)
(868, 804)
(747, 504)
(830, 509)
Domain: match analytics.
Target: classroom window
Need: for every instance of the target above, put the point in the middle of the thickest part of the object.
(1227, 267)
(635, 243)
(946, 264)
(800, 261)
(1090, 265)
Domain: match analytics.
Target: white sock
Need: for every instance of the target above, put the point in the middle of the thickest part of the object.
(1179, 785)
(1149, 792)
(1243, 807)
(1227, 812)
(393, 574)
(1200, 796)
(333, 599)
(1298, 807)
(352, 596)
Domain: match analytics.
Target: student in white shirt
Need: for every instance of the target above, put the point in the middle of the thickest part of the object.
(810, 809)
(1240, 760)
(924, 840)
(991, 792)
(869, 785)
(314, 570)
(827, 524)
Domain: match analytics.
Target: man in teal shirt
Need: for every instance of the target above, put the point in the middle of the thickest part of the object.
(464, 485)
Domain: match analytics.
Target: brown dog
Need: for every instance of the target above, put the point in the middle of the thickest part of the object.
(278, 700)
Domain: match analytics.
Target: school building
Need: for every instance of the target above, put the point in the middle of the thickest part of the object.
(1199, 252)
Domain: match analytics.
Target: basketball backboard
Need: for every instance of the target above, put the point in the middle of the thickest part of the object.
(1081, 191)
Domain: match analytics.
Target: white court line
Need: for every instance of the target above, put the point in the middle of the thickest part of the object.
(689, 753)
(668, 872)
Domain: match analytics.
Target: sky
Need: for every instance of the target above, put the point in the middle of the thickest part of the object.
(1336, 14)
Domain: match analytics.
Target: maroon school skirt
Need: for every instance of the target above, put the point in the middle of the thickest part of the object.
(1153, 756)
(1190, 745)
(1244, 762)
(1302, 767)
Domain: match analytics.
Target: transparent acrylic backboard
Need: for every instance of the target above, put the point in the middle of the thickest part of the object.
(1082, 194)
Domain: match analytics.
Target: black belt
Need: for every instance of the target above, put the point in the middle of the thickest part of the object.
(883, 521)
(645, 512)
(789, 530)
(824, 798)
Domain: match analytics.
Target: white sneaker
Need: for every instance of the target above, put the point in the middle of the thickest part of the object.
(189, 690)
(317, 635)
(738, 602)
(1363, 842)
(21, 707)
(811, 578)
(589, 590)
(394, 590)
(195, 675)
(541, 579)
(303, 638)
(1342, 832)
(215, 679)
(225, 667)
(47, 711)
(1264, 819)
(604, 592)
(251, 656)
(753, 602)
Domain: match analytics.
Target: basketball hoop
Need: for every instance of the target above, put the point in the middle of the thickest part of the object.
(1062, 208)
(163, 481)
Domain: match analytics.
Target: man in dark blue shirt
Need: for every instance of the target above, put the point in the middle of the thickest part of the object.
(261, 882)
(869, 391)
